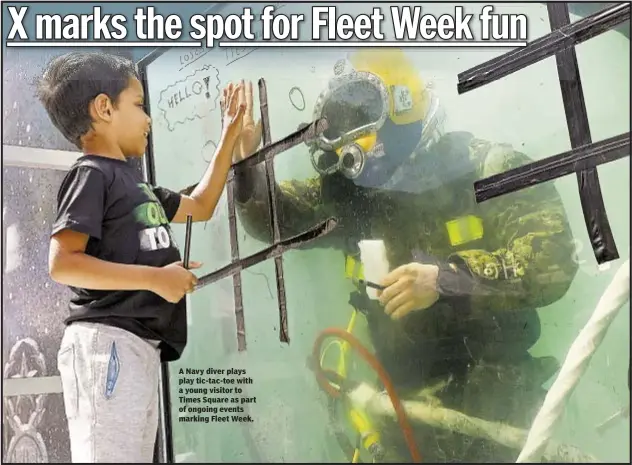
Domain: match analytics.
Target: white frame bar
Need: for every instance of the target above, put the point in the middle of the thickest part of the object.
(34, 157)
(31, 386)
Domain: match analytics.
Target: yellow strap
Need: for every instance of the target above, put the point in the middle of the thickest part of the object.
(464, 229)
(353, 268)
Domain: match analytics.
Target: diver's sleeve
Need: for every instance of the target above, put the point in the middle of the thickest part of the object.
(531, 264)
(299, 205)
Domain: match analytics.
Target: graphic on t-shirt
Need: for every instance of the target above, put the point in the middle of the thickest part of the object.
(157, 235)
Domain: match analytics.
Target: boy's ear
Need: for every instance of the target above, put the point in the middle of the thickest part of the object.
(101, 108)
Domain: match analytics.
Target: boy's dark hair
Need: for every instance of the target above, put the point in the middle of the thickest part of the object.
(73, 80)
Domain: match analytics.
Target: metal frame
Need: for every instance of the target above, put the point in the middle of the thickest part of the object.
(585, 155)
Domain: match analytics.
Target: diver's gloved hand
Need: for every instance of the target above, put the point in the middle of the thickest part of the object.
(409, 287)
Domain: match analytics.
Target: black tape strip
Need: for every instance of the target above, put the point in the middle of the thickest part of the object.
(543, 47)
(274, 250)
(310, 131)
(274, 218)
(595, 214)
(304, 134)
(234, 254)
(269, 162)
(284, 335)
(554, 167)
(239, 313)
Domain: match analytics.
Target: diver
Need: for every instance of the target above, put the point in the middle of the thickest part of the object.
(460, 305)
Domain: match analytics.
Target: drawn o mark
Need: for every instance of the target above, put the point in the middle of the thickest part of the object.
(296, 96)
(209, 150)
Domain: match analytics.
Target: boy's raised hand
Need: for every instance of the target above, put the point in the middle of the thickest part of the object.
(233, 106)
(250, 136)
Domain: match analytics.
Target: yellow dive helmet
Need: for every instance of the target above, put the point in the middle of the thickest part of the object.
(379, 112)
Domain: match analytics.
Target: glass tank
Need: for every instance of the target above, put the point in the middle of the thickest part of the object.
(453, 359)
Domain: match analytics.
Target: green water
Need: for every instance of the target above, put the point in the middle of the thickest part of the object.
(524, 109)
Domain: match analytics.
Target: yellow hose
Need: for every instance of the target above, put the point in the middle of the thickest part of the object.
(359, 420)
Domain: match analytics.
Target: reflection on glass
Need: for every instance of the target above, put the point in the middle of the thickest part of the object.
(34, 308)
(482, 300)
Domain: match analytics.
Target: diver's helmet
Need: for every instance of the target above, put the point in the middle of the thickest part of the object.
(380, 113)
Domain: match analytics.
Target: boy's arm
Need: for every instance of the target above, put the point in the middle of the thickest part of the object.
(70, 265)
(201, 202)
(80, 214)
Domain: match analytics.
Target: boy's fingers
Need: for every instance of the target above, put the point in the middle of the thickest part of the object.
(235, 98)
(240, 112)
(232, 104)
(242, 95)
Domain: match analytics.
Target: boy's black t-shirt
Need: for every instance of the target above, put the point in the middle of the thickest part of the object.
(128, 222)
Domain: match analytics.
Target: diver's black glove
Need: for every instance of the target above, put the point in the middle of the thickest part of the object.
(362, 303)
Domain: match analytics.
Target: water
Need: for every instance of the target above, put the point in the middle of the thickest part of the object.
(291, 419)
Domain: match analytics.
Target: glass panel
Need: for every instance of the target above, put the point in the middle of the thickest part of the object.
(604, 64)
(33, 310)
(489, 351)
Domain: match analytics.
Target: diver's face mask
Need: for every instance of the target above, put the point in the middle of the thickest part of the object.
(361, 141)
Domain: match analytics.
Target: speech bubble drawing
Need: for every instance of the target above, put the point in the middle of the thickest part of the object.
(192, 97)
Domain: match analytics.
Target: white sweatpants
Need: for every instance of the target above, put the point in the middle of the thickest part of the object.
(110, 381)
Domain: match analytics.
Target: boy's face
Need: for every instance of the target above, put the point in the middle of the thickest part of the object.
(130, 123)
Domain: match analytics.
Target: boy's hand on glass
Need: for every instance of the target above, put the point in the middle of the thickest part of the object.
(250, 135)
(173, 281)
(233, 106)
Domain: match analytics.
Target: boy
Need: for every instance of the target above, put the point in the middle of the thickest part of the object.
(112, 245)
